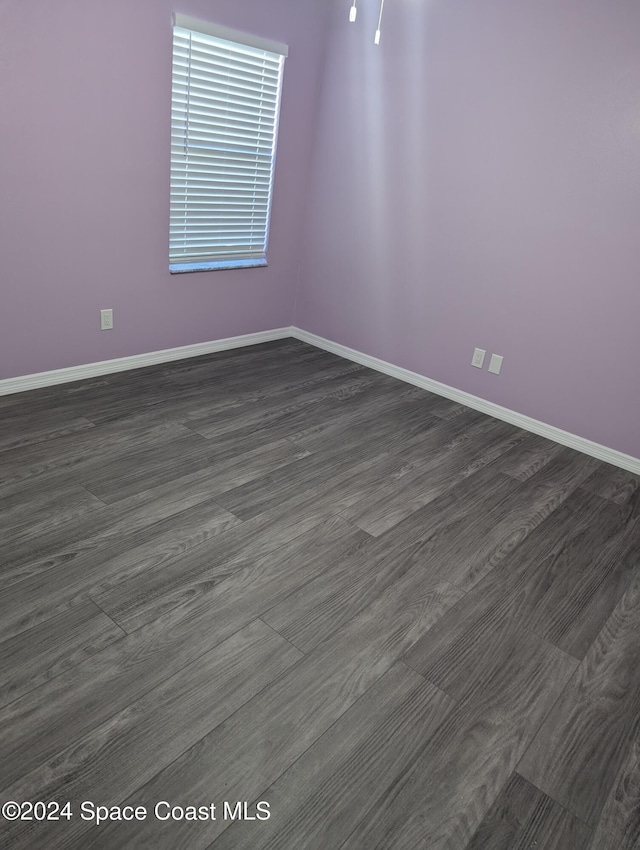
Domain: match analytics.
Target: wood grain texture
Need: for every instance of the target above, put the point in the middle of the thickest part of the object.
(445, 464)
(578, 603)
(319, 800)
(29, 511)
(489, 537)
(316, 609)
(264, 737)
(291, 408)
(535, 453)
(85, 695)
(255, 578)
(346, 479)
(594, 718)
(138, 513)
(523, 817)
(271, 574)
(121, 754)
(328, 472)
(95, 564)
(65, 458)
(46, 651)
(506, 601)
(17, 431)
(386, 423)
(617, 485)
(619, 824)
(458, 772)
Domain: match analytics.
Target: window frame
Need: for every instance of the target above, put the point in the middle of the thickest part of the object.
(239, 196)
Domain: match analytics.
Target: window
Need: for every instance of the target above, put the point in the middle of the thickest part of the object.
(224, 121)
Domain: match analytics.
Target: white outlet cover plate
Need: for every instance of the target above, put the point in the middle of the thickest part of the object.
(478, 357)
(106, 320)
(495, 364)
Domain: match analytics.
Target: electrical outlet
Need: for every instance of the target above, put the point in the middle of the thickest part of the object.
(478, 357)
(106, 320)
(495, 364)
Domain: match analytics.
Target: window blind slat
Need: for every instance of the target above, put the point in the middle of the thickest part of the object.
(230, 86)
(235, 159)
(224, 115)
(222, 130)
(186, 180)
(211, 106)
(218, 168)
(198, 64)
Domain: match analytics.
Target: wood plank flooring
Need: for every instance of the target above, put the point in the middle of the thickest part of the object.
(273, 579)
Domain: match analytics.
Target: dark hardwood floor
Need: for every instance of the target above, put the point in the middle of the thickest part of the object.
(272, 576)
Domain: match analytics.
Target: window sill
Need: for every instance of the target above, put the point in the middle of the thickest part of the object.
(221, 265)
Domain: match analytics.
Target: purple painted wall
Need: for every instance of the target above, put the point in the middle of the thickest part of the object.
(85, 88)
(476, 182)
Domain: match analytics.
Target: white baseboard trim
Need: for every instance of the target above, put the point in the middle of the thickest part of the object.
(565, 438)
(137, 361)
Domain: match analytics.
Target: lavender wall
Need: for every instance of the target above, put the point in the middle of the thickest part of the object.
(476, 182)
(85, 89)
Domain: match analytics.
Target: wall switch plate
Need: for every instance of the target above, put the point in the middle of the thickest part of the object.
(106, 320)
(495, 364)
(478, 357)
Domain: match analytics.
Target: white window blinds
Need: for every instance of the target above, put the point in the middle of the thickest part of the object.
(224, 120)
